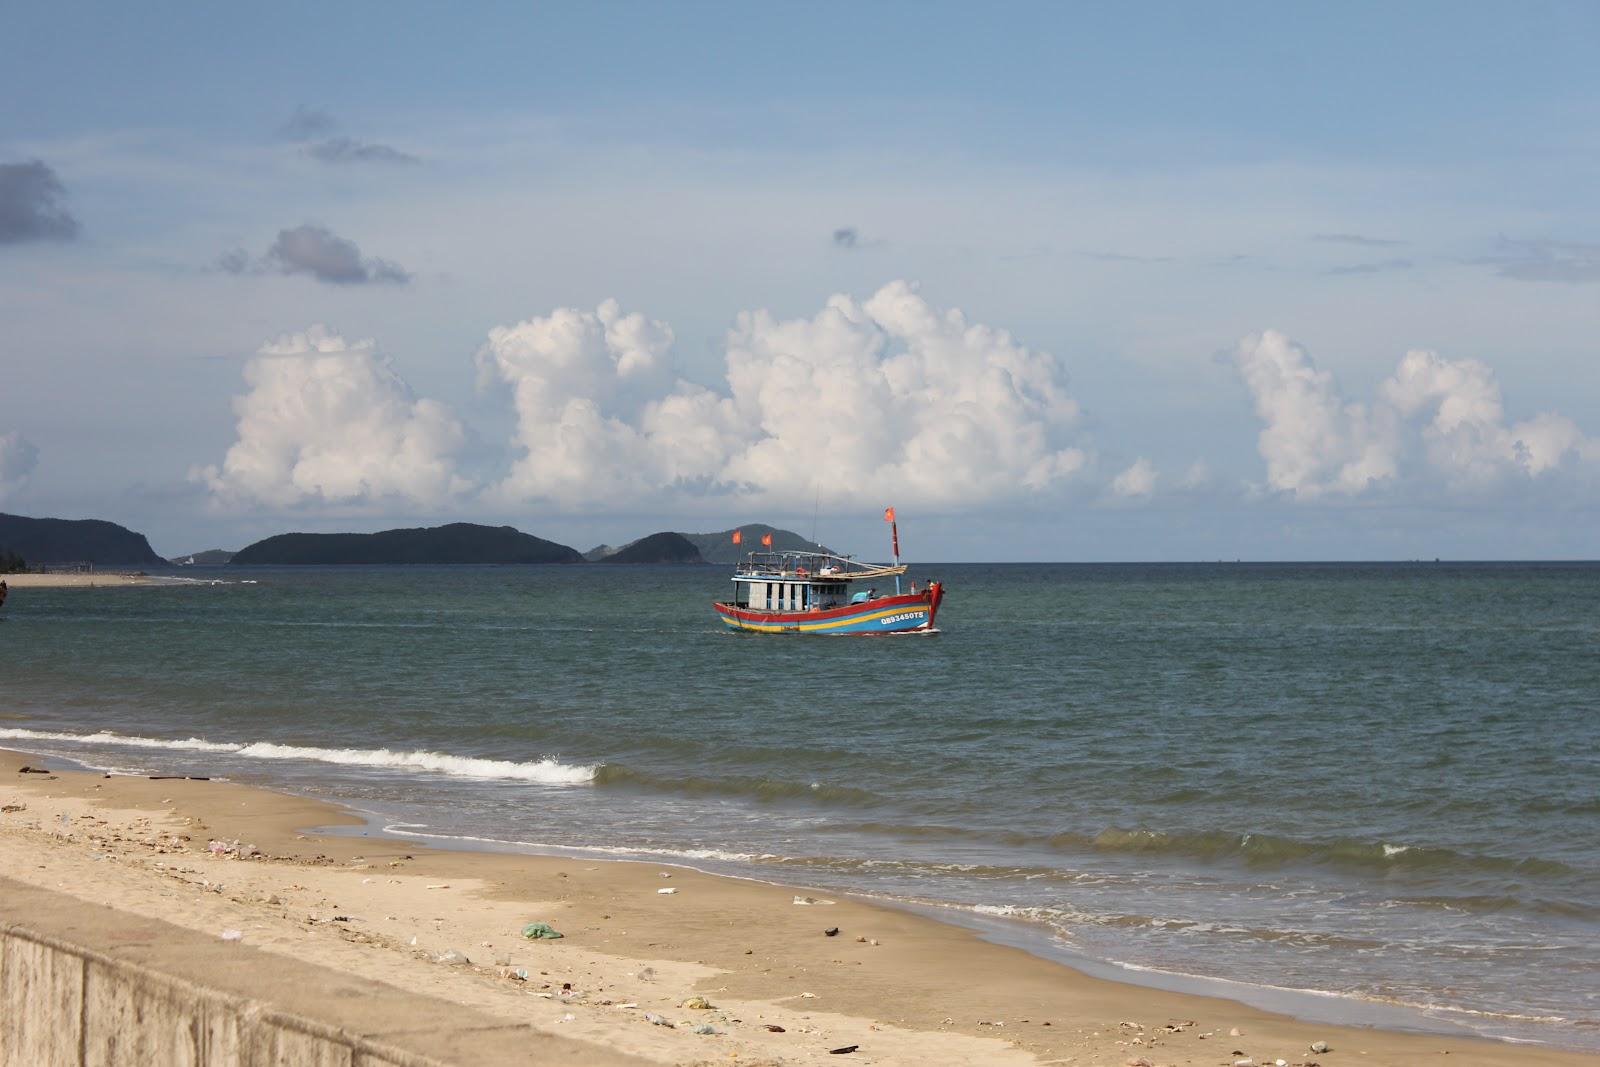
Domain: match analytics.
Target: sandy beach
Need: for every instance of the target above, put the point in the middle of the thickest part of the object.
(96, 579)
(641, 941)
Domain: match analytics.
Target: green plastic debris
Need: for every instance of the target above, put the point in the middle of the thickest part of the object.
(535, 931)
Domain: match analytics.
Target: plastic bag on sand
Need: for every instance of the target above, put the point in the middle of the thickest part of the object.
(535, 931)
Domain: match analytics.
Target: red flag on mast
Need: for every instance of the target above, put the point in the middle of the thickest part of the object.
(894, 533)
(888, 514)
(766, 540)
(738, 536)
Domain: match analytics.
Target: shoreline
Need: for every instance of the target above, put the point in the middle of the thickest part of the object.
(1312, 1007)
(914, 988)
(93, 580)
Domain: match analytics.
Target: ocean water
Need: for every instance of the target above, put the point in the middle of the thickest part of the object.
(1377, 782)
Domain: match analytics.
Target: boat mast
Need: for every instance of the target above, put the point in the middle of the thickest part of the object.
(894, 543)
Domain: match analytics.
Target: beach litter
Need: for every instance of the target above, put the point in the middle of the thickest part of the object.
(659, 1020)
(9, 808)
(233, 935)
(538, 931)
(1319, 1046)
(697, 1003)
(453, 958)
(832, 931)
(843, 1050)
(666, 892)
(706, 1028)
(776, 1029)
(811, 900)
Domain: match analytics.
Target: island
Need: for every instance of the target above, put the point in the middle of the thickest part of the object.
(656, 548)
(457, 542)
(96, 541)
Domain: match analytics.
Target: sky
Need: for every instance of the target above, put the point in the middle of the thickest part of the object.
(1059, 282)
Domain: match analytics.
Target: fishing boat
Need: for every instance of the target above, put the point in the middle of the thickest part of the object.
(787, 592)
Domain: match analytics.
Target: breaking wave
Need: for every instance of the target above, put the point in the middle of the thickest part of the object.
(1269, 850)
(1262, 851)
(544, 771)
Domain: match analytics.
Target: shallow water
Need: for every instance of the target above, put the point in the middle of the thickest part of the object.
(1372, 780)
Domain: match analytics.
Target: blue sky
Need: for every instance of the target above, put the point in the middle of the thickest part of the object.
(1192, 255)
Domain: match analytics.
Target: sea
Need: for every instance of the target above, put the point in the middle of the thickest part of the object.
(1355, 792)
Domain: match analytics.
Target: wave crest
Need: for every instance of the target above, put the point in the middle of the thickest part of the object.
(543, 771)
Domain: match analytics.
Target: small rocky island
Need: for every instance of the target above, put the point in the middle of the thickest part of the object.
(657, 548)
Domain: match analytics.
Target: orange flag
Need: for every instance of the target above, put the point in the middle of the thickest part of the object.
(738, 536)
(888, 514)
(766, 539)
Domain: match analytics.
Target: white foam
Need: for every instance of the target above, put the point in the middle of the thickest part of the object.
(411, 829)
(544, 771)
(194, 744)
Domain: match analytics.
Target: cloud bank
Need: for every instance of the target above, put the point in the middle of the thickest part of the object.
(30, 205)
(1435, 423)
(310, 123)
(1546, 261)
(18, 457)
(306, 123)
(319, 252)
(328, 421)
(865, 400)
(348, 150)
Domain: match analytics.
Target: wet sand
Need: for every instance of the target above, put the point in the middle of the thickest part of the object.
(902, 987)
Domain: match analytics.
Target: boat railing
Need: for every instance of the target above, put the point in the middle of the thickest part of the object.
(813, 565)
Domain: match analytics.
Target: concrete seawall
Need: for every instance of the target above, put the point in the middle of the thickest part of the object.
(148, 992)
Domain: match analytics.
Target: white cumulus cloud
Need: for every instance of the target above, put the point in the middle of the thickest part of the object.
(600, 418)
(862, 401)
(328, 421)
(1436, 420)
(1138, 479)
(18, 457)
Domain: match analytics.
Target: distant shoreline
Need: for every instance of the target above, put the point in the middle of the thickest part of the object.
(77, 581)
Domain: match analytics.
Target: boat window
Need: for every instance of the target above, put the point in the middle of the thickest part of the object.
(769, 594)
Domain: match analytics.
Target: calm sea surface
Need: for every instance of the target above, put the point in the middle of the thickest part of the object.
(1376, 781)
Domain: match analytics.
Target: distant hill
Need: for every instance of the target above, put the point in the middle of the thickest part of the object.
(211, 557)
(71, 540)
(657, 548)
(458, 542)
(600, 552)
(719, 547)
